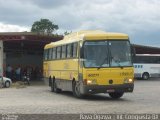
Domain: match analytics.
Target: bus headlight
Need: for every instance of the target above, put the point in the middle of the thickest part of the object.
(92, 81)
(89, 81)
(128, 80)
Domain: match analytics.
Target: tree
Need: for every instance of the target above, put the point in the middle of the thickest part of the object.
(67, 33)
(44, 26)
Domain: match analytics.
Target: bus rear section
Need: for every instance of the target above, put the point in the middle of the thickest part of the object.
(146, 71)
(147, 66)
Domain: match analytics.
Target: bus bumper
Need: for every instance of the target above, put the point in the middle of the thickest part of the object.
(93, 89)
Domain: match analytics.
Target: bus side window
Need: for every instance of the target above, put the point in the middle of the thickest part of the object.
(139, 66)
(74, 49)
(46, 54)
(69, 52)
(54, 53)
(50, 54)
(64, 51)
(59, 52)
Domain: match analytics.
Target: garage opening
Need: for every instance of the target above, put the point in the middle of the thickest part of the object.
(25, 50)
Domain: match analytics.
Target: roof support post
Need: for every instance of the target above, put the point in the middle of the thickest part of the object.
(1, 58)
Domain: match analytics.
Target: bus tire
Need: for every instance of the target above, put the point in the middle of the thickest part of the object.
(145, 76)
(76, 89)
(56, 90)
(52, 85)
(116, 95)
(50, 81)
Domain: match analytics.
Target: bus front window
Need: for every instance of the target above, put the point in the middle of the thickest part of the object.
(100, 54)
(96, 54)
(120, 53)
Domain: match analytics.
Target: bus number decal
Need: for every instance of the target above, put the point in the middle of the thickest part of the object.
(93, 75)
(125, 73)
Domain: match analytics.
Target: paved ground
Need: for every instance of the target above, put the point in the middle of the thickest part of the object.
(37, 99)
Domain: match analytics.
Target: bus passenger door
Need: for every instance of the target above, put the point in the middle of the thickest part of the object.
(45, 70)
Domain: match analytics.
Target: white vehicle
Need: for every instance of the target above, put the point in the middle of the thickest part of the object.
(5, 82)
(147, 66)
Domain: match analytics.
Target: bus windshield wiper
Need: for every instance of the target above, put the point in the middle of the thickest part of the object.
(119, 65)
(102, 63)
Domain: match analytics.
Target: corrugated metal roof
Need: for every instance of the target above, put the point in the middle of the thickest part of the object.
(29, 36)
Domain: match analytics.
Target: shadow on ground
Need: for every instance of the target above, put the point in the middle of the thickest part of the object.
(90, 97)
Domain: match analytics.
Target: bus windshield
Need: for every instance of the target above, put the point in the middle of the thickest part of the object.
(107, 54)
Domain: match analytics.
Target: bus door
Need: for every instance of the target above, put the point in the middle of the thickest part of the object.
(45, 69)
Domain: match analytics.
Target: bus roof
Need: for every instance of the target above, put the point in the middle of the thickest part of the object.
(88, 35)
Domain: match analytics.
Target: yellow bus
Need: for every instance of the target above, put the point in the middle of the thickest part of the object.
(90, 62)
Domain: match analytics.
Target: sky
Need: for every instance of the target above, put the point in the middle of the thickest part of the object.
(140, 19)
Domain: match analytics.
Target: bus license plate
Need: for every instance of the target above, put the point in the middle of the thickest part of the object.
(110, 90)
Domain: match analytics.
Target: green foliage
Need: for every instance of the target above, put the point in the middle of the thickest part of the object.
(44, 26)
(66, 32)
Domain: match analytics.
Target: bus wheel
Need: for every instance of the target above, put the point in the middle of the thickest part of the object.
(116, 95)
(76, 89)
(56, 90)
(52, 85)
(145, 76)
(50, 81)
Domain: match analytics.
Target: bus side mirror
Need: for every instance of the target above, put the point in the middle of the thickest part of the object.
(133, 51)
